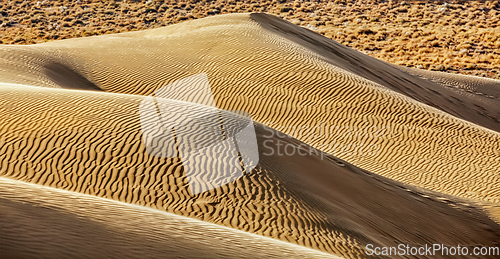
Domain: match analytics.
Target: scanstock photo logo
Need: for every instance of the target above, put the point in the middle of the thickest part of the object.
(216, 146)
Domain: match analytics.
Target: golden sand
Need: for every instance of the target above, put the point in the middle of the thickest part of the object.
(286, 84)
(90, 141)
(53, 216)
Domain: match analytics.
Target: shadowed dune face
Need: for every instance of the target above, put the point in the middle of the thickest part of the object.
(54, 69)
(91, 143)
(481, 96)
(331, 98)
(65, 77)
(393, 77)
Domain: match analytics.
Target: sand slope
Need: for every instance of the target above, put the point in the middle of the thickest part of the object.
(90, 142)
(296, 81)
(480, 96)
(44, 222)
(394, 77)
(87, 138)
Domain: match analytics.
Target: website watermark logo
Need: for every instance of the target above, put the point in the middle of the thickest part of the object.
(432, 250)
(341, 141)
(216, 146)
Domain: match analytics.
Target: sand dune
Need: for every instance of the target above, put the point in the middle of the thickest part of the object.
(394, 77)
(410, 33)
(88, 139)
(290, 78)
(91, 143)
(44, 222)
(479, 97)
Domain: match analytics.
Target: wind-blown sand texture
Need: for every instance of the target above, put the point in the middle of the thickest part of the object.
(72, 225)
(286, 84)
(90, 143)
(286, 77)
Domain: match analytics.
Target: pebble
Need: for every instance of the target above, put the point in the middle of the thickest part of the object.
(311, 27)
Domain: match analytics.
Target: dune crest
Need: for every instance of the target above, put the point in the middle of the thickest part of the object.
(340, 103)
(91, 143)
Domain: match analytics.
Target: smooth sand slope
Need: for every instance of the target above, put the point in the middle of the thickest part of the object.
(91, 143)
(333, 98)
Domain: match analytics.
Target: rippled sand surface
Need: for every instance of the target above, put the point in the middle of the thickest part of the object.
(374, 135)
(40, 221)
